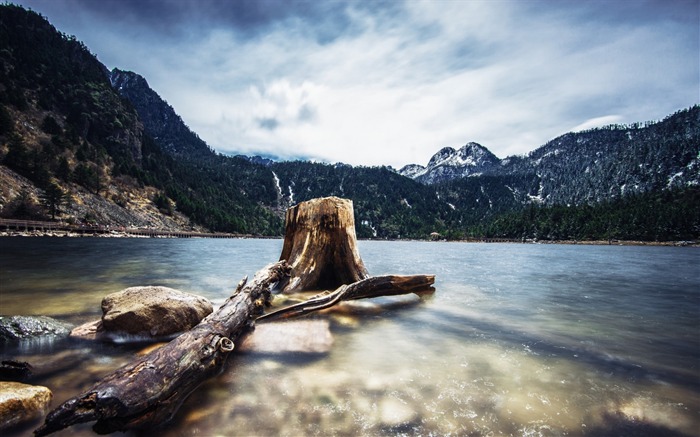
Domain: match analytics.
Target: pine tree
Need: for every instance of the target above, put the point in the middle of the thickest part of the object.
(53, 199)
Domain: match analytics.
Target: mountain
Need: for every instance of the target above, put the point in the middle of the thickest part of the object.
(65, 130)
(581, 170)
(386, 204)
(82, 144)
(471, 160)
(583, 167)
(161, 121)
(607, 163)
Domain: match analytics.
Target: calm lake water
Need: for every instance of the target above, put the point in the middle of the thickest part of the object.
(517, 339)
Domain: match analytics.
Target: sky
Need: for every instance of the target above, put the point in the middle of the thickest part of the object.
(391, 82)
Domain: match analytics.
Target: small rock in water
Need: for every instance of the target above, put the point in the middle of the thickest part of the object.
(304, 336)
(16, 328)
(393, 412)
(11, 370)
(88, 331)
(21, 403)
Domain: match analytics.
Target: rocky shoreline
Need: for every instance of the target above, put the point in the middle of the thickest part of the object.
(60, 234)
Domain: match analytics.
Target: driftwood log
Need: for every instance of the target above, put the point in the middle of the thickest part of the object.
(149, 391)
(321, 245)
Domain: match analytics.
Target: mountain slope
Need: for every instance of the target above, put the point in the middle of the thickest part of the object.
(160, 119)
(584, 167)
(66, 129)
(606, 163)
(387, 205)
(63, 130)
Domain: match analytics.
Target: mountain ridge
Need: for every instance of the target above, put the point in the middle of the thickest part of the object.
(612, 161)
(69, 124)
(164, 124)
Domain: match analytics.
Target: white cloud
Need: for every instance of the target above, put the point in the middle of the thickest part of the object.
(393, 86)
(605, 120)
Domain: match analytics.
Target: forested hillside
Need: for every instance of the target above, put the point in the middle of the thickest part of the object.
(387, 205)
(666, 215)
(65, 128)
(605, 163)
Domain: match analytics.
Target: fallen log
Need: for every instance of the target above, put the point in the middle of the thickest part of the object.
(376, 286)
(148, 392)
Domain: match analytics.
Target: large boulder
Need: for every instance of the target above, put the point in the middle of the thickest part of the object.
(152, 311)
(17, 328)
(21, 403)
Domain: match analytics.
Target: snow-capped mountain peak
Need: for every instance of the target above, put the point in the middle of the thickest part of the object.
(448, 163)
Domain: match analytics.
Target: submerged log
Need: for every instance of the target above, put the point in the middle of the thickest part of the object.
(320, 245)
(149, 391)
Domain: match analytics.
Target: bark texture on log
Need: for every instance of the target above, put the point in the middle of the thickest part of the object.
(146, 393)
(320, 245)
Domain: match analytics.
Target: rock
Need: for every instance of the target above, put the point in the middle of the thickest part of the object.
(88, 331)
(21, 403)
(16, 328)
(394, 413)
(302, 336)
(153, 311)
(11, 370)
(45, 365)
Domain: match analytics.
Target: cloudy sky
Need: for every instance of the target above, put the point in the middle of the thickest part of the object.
(391, 82)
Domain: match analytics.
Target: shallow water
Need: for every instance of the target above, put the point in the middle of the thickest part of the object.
(517, 339)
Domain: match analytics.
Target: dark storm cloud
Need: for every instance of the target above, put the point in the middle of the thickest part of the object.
(324, 20)
(390, 82)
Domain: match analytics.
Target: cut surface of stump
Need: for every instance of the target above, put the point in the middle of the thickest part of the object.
(320, 245)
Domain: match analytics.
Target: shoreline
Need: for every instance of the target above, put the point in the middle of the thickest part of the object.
(189, 234)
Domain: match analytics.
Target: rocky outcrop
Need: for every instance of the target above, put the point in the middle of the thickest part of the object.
(20, 403)
(152, 311)
(121, 204)
(16, 328)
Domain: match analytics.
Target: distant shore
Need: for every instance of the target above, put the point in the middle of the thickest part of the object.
(30, 228)
(144, 233)
(187, 234)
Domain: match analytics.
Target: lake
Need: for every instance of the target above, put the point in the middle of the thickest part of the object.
(518, 339)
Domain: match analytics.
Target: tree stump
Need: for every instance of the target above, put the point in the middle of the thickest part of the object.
(320, 245)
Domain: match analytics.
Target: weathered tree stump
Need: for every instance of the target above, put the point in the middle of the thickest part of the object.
(320, 245)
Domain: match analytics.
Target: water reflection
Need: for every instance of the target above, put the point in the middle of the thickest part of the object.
(517, 340)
